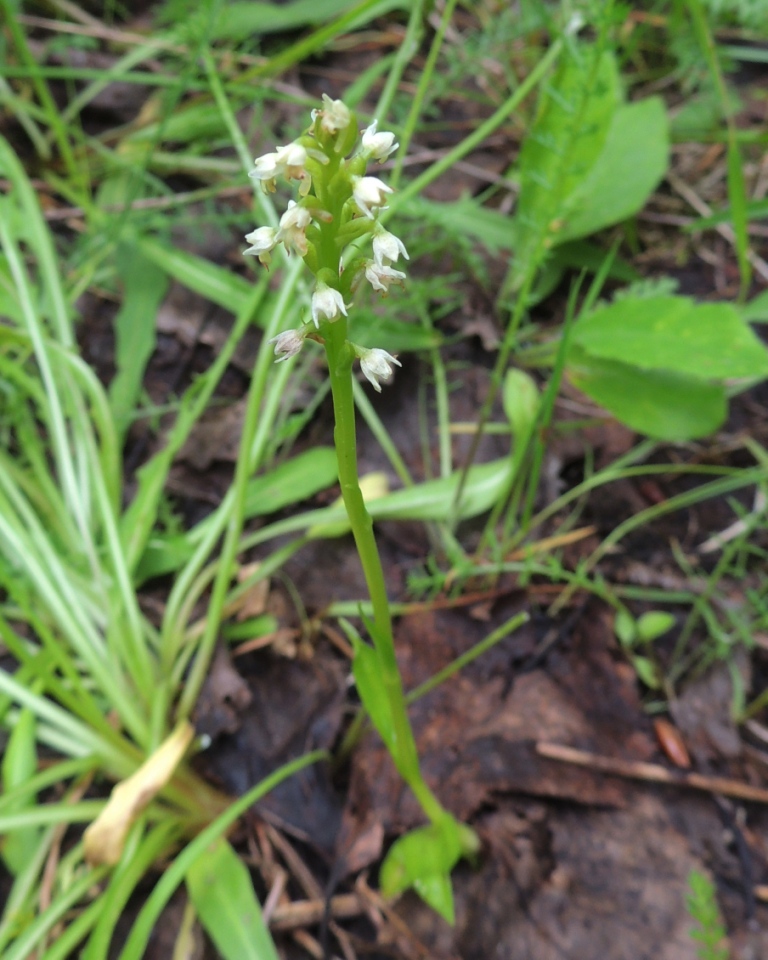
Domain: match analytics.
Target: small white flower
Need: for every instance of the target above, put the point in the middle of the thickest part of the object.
(287, 344)
(262, 242)
(376, 365)
(292, 228)
(381, 277)
(327, 304)
(369, 192)
(386, 246)
(378, 146)
(266, 167)
(334, 116)
(289, 162)
(293, 161)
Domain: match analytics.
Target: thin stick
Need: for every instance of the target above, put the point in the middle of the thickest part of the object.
(653, 773)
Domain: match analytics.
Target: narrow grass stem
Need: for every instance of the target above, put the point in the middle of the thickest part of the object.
(405, 54)
(260, 412)
(425, 82)
(445, 163)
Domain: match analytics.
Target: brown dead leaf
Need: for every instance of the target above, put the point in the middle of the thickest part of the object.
(225, 695)
(704, 713)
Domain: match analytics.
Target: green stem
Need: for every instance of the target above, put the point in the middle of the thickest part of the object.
(340, 359)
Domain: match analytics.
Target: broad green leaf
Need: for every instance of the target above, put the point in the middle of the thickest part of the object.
(433, 500)
(706, 341)
(628, 170)
(291, 482)
(191, 121)
(625, 629)
(756, 311)
(366, 670)
(423, 859)
(436, 890)
(647, 672)
(221, 891)
(520, 398)
(574, 115)
(217, 284)
(144, 287)
(242, 20)
(654, 624)
(658, 403)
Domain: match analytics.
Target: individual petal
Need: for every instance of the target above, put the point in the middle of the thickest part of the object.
(378, 146)
(292, 228)
(369, 193)
(263, 241)
(327, 304)
(376, 365)
(287, 344)
(386, 246)
(381, 277)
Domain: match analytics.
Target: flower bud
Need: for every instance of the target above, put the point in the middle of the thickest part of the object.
(334, 116)
(386, 246)
(381, 277)
(378, 146)
(327, 304)
(376, 365)
(263, 241)
(369, 193)
(287, 344)
(292, 228)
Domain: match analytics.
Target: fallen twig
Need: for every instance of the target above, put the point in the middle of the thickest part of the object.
(653, 773)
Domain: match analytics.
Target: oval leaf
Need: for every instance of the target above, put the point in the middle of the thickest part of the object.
(660, 404)
(221, 891)
(706, 341)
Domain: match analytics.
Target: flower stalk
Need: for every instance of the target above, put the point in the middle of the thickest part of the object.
(338, 205)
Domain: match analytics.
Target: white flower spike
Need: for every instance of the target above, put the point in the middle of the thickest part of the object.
(386, 246)
(327, 304)
(378, 146)
(263, 242)
(369, 193)
(292, 229)
(287, 344)
(381, 277)
(376, 365)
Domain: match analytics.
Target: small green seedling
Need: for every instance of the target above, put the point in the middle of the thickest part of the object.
(632, 634)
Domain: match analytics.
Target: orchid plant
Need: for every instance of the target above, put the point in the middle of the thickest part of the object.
(337, 207)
